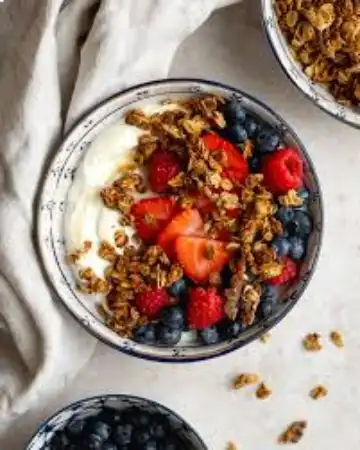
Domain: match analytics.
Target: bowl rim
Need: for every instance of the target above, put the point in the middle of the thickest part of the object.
(320, 103)
(45, 423)
(232, 345)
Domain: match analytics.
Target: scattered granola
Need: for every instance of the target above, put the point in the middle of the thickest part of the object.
(265, 338)
(263, 392)
(245, 379)
(312, 342)
(324, 38)
(231, 446)
(337, 339)
(318, 392)
(76, 254)
(294, 433)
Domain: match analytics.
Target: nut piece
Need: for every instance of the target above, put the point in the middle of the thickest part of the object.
(337, 339)
(312, 342)
(318, 392)
(263, 392)
(293, 433)
(120, 238)
(291, 198)
(245, 379)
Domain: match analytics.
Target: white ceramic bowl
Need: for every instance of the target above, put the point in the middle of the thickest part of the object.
(54, 201)
(314, 91)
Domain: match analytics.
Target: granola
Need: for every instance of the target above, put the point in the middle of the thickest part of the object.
(324, 38)
(245, 379)
(318, 392)
(293, 433)
(312, 342)
(263, 392)
(337, 339)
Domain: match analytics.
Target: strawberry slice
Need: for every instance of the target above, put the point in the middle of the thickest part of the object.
(186, 223)
(200, 257)
(151, 215)
(234, 164)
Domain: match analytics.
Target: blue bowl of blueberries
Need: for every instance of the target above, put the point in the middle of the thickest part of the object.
(116, 422)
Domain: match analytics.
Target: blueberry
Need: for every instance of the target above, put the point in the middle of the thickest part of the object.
(59, 441)
(255, 164)
(265, 309)
(234, 112)
(150, 445)
(140, 436)
(122, 434)
(101, 429)
(281, 245)
(269, 293)
(170, 444)
(285, 215)
(166, 335)
(267, 140)
(158, 431)
(300, 225)
(304, 194)
(251, 127)
(75, 427)
(209, 336)
(173, 317)
(109, 446)
(179, 287)
(145, 334)
(236, 133)
(297, 248)
(111, 416)
(93, 442)
(230, 329)
(142, 419)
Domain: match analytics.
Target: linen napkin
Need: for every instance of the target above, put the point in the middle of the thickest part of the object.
(58, 60)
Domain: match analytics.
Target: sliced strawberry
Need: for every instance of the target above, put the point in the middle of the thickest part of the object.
(151, 215)
(163, 166)
(186, 223)
(205, 308)
(233, 162)
(200, 257)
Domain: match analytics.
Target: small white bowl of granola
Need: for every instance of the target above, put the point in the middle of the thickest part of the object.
(180, 220)
(317, 46)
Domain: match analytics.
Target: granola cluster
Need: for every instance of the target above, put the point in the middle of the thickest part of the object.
(324, 36)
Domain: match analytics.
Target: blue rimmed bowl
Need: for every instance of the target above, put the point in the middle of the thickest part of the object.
(89, 407)
(318, 94)
(54, 198)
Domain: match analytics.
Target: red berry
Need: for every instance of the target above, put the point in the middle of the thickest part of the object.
(234, 164)
(288, 273)
(163, 166)
(151, 215)
(205, 308)
(152, 301)
(283, 170)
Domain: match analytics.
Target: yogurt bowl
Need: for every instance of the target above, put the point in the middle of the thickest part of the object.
(79, 211)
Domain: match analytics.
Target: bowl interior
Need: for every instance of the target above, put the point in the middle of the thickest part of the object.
(314, 91)
(91, 406)
(53, 204)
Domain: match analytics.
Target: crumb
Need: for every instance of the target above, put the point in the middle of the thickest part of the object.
(293, 433)
(231, 446)
(265, 338)
(263, 392)
(245, 379)
(318, 392)
(337, 339)
(312, 342)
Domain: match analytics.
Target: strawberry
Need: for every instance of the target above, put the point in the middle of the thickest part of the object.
(234, 164)
(205, 308)
(151, 215)
(163, 166)
(186, 223)
(152, 301)
(200, 257)
(288, 273)
(283, 170)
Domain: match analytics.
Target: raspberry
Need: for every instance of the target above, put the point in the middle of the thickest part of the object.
(163, 166)
(205, 308)
(152, 301)
(288, 273)
(283, 170)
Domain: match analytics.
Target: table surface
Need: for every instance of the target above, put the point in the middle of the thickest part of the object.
(231, 48)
